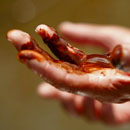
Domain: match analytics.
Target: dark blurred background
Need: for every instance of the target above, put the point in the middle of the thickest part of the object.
(20, 106)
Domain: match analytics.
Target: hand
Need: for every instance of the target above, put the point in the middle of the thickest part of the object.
(37, 59)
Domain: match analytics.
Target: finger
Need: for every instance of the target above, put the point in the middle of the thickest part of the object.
(62, 49)
(92, 34)
(46, 90)
(121, 113)
(116, 57)
(90, 109)
(23, 41)
(19, 39)
(115, 114)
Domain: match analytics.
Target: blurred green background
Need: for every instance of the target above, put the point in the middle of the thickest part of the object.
(20, 106)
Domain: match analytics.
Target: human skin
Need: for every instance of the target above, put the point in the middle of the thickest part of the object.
(105, 36)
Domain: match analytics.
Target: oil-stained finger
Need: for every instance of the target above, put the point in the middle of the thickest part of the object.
(62, 49)
(23, 41)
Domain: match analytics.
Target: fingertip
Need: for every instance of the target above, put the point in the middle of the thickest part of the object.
(45, 30)
(65, 26)
(17, 38)
(72, 26)
(47, 91)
